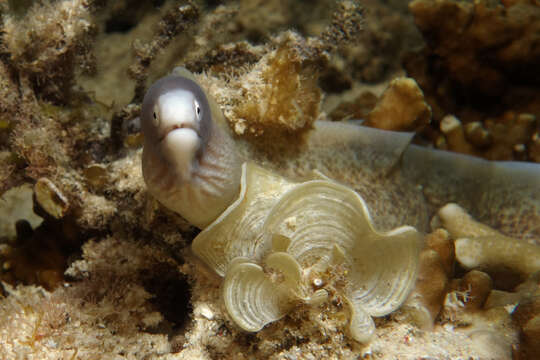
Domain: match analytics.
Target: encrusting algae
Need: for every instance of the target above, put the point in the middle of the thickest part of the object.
(106, 271)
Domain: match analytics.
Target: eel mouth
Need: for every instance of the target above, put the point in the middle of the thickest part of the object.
(178, 127)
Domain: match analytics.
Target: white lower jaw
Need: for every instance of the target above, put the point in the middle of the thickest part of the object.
(180, 147)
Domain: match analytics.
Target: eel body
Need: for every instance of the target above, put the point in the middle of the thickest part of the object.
(402, 184)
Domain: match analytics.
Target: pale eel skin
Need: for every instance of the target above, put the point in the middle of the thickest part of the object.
(192, 165)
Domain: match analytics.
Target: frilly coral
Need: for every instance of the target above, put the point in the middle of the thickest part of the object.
(311, 234)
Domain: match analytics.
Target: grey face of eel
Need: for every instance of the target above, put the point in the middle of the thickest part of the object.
(189, 162)
(176, 121)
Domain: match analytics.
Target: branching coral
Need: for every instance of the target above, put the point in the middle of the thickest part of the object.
(479, 246)
(53, 128)
(480, 66)
(44, 50)
(49, 44)
(175, 21)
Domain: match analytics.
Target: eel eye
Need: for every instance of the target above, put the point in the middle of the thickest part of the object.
(197, 108)
(155, 120)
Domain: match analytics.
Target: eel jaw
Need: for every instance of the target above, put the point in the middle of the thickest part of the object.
(178, 127)
(180, 147)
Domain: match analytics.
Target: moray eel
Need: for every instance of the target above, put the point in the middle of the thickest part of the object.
(192, 165)
(189, 159)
